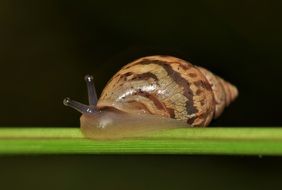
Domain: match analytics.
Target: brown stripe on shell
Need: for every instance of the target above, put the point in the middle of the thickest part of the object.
(203, 84)
(129, 76)
(217, 89)
(193, 75)
(203, 118)
(184, 66)
(145, 76)
(188, 93)
(191, 120)
(171, 112)
(142, 105)
(153, 98)
(173, 60)
(126, 74)
(156, 102)
(165, 58)
(199, 91)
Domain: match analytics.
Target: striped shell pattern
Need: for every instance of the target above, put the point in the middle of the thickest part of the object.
(168, 87)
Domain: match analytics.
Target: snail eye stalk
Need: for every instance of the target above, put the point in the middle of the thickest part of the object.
(92, 98)
(82, 108)
(92, 95)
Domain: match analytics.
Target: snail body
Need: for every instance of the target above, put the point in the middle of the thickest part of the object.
(152, 93)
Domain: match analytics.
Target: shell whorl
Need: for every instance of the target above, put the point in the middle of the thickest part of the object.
(169, 87)
(224, 92)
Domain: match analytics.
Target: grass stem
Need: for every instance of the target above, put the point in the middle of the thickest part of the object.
(224, 141)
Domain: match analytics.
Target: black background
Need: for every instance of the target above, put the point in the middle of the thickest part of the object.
(47, 46)
(140, 172)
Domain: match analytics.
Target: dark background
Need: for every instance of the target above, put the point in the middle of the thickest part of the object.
(47, 46)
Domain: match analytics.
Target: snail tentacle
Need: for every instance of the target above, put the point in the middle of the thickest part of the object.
(92, 95)
(82, 108)
(92, 98)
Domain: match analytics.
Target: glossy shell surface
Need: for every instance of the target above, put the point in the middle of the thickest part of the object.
(169, 87)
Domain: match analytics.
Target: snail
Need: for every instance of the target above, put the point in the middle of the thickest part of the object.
(153, 93)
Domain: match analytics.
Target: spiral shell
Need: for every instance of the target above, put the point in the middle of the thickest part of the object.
(168, 87)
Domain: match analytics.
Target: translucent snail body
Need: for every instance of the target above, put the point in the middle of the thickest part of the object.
(117, 125)
(153, 93)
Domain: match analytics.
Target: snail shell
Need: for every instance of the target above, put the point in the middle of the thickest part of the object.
(168, 87)
(152, 93)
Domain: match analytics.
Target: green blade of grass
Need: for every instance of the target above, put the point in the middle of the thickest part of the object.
(228, 141)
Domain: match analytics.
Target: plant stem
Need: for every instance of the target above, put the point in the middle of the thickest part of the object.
(227, 141)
